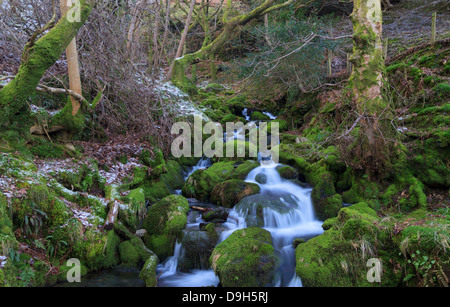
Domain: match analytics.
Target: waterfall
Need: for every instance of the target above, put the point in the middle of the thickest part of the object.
(287, 213)
(297, 221)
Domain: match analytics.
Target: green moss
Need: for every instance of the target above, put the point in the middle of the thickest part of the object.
(432, 240)
(442, 89)
(230, 192)
(245, 259)
(128, 254)
(356, 229)
(229, 118)
(164, 222)
(74, 124)
(256, 115)
(46, 150)
(148, 272)
(288, 172)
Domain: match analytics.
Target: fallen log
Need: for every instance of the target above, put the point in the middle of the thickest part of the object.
(112, 215)
(202, 209)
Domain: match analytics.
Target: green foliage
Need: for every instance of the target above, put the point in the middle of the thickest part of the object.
(278, 60)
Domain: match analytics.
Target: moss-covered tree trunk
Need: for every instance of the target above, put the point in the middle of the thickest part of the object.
(368, 85)
(37, 57)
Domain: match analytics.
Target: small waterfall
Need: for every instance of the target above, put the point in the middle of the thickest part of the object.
(291, 216)
(169, 267)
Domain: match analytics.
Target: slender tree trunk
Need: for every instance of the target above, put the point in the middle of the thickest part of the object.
(367, 81)
(131, 30)
(166, 27)
(183, 37)
(37, 57)
(72, 63)
(157, 51)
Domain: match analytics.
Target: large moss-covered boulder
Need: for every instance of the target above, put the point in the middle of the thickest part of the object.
(245, 259)
(200, 184)
(230, 192)
(164, 222)
(339, 257)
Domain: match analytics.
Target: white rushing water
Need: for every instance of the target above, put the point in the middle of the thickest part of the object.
(298, 222)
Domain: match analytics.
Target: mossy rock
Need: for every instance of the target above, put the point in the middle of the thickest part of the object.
(245, 259)
(321, 261)
(288, 172)
(169, 180)
(430, 240)
(230, 192)
(200, 183)
(256, 115)
(152, 159)
(148, 272)
(164, 222)
(167, 216)
(355, 229)
(328, 207)
(357, 211)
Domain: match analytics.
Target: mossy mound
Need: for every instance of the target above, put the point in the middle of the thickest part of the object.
(164, 222)
(287, 172)
(200, 183)
(230, 192)
(245, 259)
(148, 272)
(256, 115)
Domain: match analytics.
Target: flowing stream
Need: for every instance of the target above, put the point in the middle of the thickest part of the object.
(287, 214)
(291, 217)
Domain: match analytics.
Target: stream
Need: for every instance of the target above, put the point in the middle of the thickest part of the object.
(291, 217)
(295, 220)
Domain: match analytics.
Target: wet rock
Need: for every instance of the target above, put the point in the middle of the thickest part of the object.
(245, 259)
(230, 192)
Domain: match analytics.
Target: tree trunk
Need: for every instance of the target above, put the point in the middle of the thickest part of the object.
(36, 59)
(72, 63)
(183, 38)
(367, 82)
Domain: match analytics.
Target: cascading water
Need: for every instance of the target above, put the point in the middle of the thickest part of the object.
(295, 220)
(287, 214)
